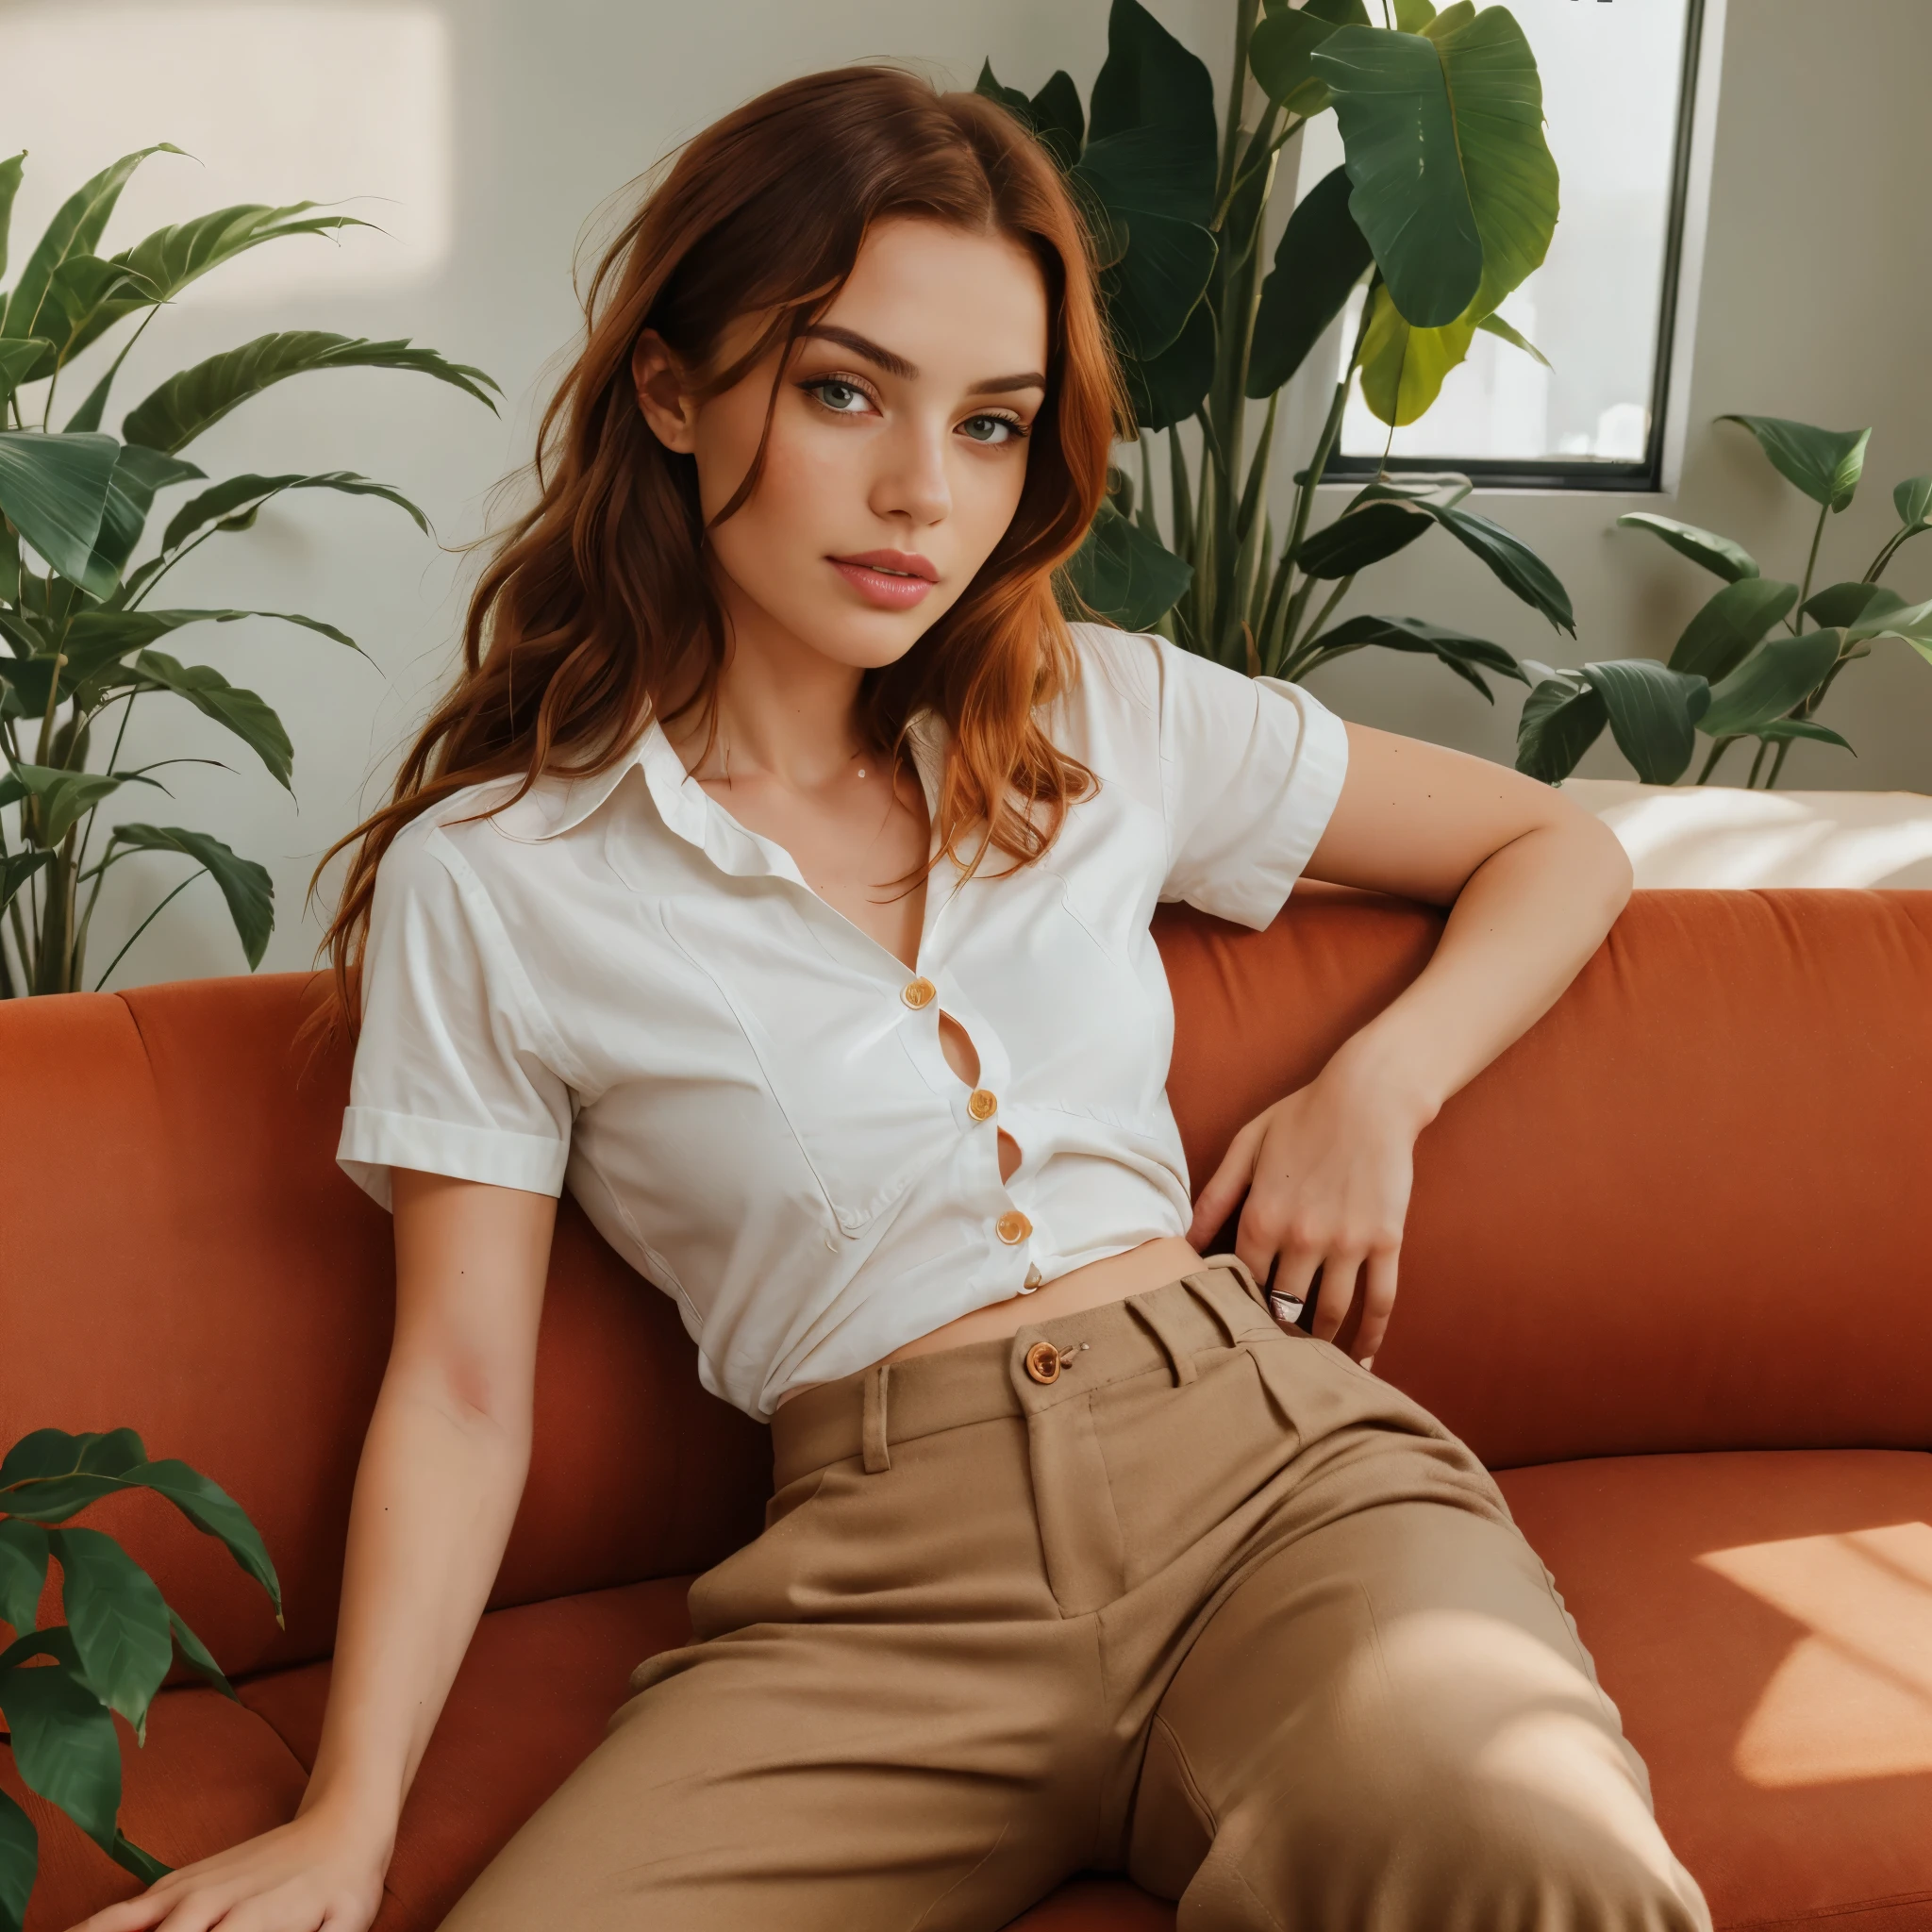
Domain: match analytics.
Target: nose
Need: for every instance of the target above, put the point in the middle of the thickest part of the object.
(912, 481)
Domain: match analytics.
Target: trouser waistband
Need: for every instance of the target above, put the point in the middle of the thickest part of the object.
(1215, 1307)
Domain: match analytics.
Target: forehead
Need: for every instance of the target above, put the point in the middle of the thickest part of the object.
(953, 302)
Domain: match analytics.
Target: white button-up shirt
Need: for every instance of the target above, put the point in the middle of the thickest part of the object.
(614, 986)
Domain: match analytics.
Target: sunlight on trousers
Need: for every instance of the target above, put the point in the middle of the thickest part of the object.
(1208, 1605)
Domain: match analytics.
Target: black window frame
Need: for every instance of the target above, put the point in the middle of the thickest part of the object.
(1645, 474)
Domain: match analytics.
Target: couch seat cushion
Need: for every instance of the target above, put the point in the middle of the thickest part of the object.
(1764, 1620)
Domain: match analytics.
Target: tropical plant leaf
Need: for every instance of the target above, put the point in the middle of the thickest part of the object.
(1010, 98)
(233, 503)
(76, 229)
(244, 713)
(43, 1456)
(1124, 575)
(16, 867)
(165, 262)
(1413, 16)
(99, 637)
(1778, 677)
(63, 1740)
(197, 398)
(1824, 463)
(22, 1568)
(130, 1857)
(1838, 606)
(1455, 187)
(138, 476)
(250, 895)
(1058, 118)
(1320, 258)
(119, 1621)
(1404, 368)
(1150, 171)
(1724, 632)
(1511, 561)
(54, 491)
(64, 795)
(1504, 332)
(1149, 79)
(1912, 499)
(1467, 657)
(84, 288)
(16, 357)
(1168, 388)
(1562, 717)
(194, 1652)
(1365, 533)
(20, 1850)
(1151, 290)
(10, 172)
(1781, 729)
(1729, 560)
(1281, 51)
(1652, 713)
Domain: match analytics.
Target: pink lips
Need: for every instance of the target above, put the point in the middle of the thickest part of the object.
(888, 579)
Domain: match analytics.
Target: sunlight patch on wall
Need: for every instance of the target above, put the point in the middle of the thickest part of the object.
(274, 104)
(1853, 1699)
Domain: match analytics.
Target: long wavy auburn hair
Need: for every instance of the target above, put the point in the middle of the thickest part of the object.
(597, 612)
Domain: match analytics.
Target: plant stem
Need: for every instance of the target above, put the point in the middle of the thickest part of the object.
(1810, 565)
(200, 871)
(1245, 12)
(1333, 598)
(1778, 765)
(1763, 746)
(1717, 749)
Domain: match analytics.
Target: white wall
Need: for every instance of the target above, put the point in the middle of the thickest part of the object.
(496, 128)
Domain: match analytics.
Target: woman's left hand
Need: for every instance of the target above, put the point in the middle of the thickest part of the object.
(1327, 1173)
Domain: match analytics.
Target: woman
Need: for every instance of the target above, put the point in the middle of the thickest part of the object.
(778, 876)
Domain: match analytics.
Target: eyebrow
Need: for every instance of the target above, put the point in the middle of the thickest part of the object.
(897, 365)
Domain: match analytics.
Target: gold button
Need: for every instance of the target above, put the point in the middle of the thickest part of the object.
(1012, 1227)
(981, 1105)
(1043, 1362)
(918, 993)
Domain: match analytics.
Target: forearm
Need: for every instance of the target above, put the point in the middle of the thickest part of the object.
(436, 1492)
(1518, 931)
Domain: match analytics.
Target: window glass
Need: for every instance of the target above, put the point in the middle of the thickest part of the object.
(1612, 74)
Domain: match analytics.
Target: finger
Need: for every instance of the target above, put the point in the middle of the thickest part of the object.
(1339, 1272)
(1223, 1193)
(132, 1914)
(1378, 1303)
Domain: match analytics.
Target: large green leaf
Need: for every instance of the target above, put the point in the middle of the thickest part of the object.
(197, 398)
(23, 1573)
(1363, 534)
(11, 171)
(16, 867)
(1123, 575)
(1913, 501)
(250, 895)
(98, 636)
(1913, 623)
(1719, 553)
(1058, 118)
(1778, 677)
(1781, 729)
(233, 503)
(1723, 633)
(1168, 388)
(1511, 561)
(1149, 79)
(76, 229)
(55, 489)
(248, 716)
(161, 265)
(20, 1849)
(1562, 717)
(1403, 368)
(17, 357)
(84, 287)
(1455, 187)
(63, 1741)
(1151, 290)
(1467, 657)
(1838, 606)
(1824, 463)
(1150, 170)
(64, 795)
(1652, 713)
(1321, 257)
(138, 474)
(1282, 54)
(52, 1455)
(119, 1621)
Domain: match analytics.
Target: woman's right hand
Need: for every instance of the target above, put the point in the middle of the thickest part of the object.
(316, 1870)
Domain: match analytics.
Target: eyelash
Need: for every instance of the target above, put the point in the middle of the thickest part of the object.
(1018, 429)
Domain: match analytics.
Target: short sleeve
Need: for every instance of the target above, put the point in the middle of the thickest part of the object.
(454, 1069)
(1251, 769)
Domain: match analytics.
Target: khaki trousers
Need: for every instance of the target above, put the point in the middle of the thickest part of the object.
(1211, 1606)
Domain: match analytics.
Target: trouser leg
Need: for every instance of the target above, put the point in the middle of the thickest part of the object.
(1390, 1726)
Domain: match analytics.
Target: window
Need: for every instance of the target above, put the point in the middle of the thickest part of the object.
(1618, 80)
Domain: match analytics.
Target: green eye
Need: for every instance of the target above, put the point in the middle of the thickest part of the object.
(841, 398)
(992, 429)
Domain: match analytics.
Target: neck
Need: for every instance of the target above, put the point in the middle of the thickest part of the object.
(784, 710)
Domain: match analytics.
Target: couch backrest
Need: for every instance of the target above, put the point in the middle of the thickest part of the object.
(1686, 1211)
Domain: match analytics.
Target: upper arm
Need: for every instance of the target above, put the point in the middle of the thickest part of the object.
(470, 1263)
(1417, 819)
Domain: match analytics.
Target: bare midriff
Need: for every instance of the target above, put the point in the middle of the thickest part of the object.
(1153, 1264)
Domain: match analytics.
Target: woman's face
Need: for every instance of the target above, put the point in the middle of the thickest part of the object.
(897, 448)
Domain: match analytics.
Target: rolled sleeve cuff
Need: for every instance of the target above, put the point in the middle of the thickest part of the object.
(372, 1142)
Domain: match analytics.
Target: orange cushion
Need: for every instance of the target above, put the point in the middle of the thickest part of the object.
(1764, 1620)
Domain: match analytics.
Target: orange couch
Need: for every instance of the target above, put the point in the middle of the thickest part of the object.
(1669, 1270)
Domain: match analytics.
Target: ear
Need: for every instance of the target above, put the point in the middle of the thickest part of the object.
(671, 413)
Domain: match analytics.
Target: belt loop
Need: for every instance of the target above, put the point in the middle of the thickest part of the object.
(871, 1428)
(1179, 1359)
